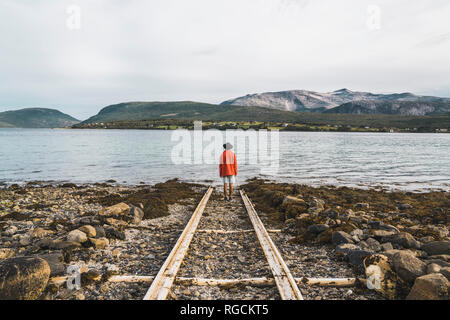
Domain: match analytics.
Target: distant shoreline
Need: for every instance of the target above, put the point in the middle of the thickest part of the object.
(172, 124)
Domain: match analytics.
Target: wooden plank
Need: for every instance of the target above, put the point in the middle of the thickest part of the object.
(283, 278)
(164, 279)
(233, 231)
(262, 281)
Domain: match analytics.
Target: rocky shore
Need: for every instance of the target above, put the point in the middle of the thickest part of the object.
(399, 240)
(108, 229)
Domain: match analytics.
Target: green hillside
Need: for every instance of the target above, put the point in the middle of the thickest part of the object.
(187, 110)
(131, 115)
(36, 118)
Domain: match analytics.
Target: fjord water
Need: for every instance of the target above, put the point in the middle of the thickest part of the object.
(393, 160)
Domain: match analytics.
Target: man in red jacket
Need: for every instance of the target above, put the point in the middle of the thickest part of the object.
(228, 169)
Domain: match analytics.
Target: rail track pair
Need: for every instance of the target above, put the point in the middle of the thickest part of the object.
(285, 282)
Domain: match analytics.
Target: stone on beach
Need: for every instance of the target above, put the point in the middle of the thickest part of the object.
(437, 247)
(340, 237)
(23, 278)
(77, 236)
(407, 266)
(99, 243)
(403, 239)
(120, 209)
(88, 230)
(430, 287)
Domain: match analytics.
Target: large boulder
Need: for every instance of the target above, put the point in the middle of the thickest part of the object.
(318, 228)
(356, 257)
(437, 248)
(23, 278)
(340, 237)
(404, 239)
(120, 209)
(88, 230)
(430, 287)
(407, 266)
(77, 236)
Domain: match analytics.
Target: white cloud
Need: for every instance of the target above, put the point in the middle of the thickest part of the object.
(208, 50)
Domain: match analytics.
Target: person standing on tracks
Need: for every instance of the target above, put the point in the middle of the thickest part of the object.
(228, 170)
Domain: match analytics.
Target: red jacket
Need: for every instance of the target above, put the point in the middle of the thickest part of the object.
(228, 164)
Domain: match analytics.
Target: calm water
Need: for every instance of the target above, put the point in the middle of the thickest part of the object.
(401, 161)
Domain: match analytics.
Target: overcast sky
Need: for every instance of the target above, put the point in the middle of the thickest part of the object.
(210, 51)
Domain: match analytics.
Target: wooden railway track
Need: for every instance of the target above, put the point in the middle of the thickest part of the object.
(164, 279)
(166, 276)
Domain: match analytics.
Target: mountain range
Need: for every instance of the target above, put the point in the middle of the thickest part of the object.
(287, 106)
(345, 101)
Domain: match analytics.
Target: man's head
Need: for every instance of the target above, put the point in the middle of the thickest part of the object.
(228, 146)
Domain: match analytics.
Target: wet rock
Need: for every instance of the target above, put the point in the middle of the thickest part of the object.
(430, 287)
(437, 248)
(380, 234)
(88, 230)
(345, 248)
(356, 257)
(55, 261)
(318, 228)
(40, 233)
(136, 215)
(387, 246)
(100, 231)
(373, 244)
(76, 236)
(379, 225)
(340, 237)
(120, 209)
(100, 243)
(6, 253)
(403, 239)
(407, 266)
(23, 278)
(433, 268)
